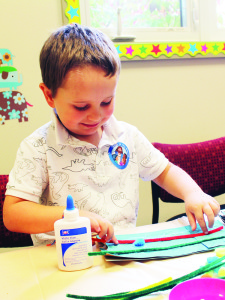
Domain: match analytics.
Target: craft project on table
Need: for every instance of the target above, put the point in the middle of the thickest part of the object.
(197, 242)
(164, 285)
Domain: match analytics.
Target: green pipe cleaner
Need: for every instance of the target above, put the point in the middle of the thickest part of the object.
(147, 249)
(165, 286)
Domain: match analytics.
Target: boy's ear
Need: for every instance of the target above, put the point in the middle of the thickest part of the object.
(48, 94)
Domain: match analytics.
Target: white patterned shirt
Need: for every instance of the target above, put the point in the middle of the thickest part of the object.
(51, 164)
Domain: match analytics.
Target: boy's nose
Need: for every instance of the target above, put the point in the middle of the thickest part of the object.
(95, 115)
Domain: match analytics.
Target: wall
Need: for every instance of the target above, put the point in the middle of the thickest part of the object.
(172, 101)
(25, 25)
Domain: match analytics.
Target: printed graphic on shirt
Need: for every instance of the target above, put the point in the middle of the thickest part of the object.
(85, 151)
(23, 167)
(57, 181)
(39, 143)
(145, 162)
(79, 165)
(42, 162)
(95, 204)
(119, 155)
(98, 205)
(79, 187)
(120, 200)
(100, 181)
(82, 202)
(54, 150)
(38, 180)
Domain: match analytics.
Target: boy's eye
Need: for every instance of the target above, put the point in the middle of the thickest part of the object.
(81, 108)
(106, 103)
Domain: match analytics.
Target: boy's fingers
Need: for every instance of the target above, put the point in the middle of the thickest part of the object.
(107, 232)
(201, 221)
(114, 240)
(192, 220)
(215, 207)
(103, 229)
(110, 235)
(208, 211)
(101, 226)
(95, 226)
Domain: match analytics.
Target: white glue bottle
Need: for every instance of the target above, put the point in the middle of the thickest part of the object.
(73, 239)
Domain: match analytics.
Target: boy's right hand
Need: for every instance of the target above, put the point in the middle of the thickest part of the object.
(101, 226)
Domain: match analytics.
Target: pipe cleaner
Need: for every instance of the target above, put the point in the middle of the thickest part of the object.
(167, 238)
(161, 287)
(148, 248)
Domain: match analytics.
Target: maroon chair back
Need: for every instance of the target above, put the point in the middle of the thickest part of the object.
(9, 238)
(204, 162)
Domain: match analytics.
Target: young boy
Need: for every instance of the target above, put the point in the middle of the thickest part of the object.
(80, 151)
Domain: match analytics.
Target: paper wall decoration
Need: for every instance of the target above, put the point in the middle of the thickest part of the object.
(6, 57)
(72, 11)
(170, 50)
(155, 50)
(13, 104)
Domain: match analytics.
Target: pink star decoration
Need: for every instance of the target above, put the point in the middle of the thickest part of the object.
(130, 50)
(204, 48)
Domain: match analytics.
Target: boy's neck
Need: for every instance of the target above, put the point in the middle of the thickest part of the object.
(93, 139)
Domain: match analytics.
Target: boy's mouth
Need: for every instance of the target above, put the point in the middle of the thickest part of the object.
(90, 125)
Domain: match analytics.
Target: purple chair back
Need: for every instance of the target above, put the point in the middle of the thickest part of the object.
(204, 162)
(9, 238)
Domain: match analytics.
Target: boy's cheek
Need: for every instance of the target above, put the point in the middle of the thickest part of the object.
(111, 110)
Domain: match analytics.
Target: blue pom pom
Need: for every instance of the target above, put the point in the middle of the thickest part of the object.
(139, 242)
(211, 259)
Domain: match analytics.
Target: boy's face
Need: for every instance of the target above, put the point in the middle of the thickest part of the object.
(84, 102)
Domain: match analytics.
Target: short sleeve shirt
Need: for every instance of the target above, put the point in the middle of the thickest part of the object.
(51, 164)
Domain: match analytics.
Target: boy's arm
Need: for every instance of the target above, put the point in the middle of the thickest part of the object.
(25, 216)
(178, 183)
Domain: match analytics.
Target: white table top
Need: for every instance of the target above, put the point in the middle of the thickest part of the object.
(32, 273)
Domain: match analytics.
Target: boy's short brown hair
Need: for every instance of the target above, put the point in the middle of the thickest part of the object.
(74, 46)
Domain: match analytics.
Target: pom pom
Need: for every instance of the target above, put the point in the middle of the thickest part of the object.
(221, 272)
(207, 275)
(220, 252)
(139, 242)
(211, 259)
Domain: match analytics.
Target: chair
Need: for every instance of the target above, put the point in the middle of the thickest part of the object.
(9, 238)
(204, 162)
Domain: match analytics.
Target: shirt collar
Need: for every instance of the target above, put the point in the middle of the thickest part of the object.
(110, 134)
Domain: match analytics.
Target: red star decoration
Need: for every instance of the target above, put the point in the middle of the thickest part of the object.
(156, 49)
(180, 48)
(223, 47)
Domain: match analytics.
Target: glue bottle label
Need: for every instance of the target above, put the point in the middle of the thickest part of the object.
(74, 246)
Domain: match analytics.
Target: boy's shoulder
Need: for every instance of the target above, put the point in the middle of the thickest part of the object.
(121, 126)
(40, 133)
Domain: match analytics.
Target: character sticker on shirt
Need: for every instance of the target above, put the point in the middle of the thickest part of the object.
(119, 155)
